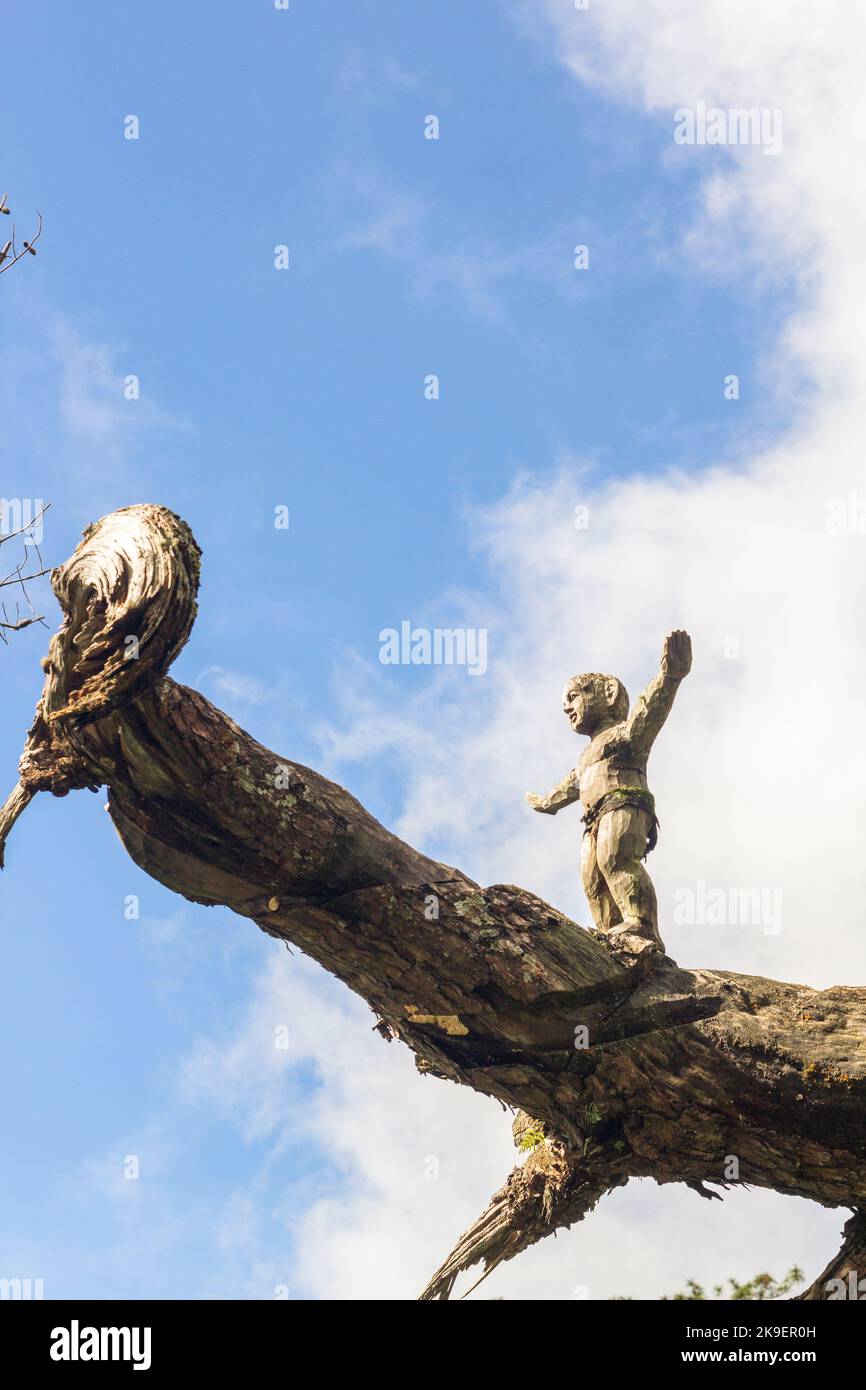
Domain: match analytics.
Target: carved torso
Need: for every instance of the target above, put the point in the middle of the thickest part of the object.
(611, 760)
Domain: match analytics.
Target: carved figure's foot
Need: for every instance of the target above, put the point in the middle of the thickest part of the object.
(637, 945)
(636, 937)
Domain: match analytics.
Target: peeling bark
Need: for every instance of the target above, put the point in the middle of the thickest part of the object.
(683, 1071)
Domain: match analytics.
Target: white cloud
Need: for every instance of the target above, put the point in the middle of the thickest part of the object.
(798, 215)
(368, 1114)
(62, 396)
(476, 270)
(760, 775)
(237, 686)
(93, 403)
(375, 81)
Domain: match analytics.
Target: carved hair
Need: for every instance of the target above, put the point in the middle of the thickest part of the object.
(593, 683)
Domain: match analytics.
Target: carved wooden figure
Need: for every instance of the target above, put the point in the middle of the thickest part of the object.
(620, 825)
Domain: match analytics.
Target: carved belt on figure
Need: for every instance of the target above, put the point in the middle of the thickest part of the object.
(638, 798)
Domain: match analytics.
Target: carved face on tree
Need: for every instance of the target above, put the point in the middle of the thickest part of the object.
(593, 700)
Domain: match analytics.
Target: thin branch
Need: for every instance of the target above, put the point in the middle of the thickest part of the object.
(20, 576)
(16, 577)
(28, 529)
(9, 254)
(22, 622)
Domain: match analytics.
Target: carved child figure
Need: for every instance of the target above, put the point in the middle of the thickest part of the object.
(610, 779)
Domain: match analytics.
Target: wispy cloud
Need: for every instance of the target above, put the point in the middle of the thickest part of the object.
(236, 686)
(377, 80)
(750, 769)
(95, 393)
(760, 775)
(79, 420)
(477, 271)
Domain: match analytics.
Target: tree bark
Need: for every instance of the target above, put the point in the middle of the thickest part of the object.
(629, 1066)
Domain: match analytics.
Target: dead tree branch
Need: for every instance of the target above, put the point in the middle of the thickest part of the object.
(10, 252)
(627, 1068)
(21, 574)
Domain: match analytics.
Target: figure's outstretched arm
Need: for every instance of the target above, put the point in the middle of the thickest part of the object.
(563, 795)
(652, 708)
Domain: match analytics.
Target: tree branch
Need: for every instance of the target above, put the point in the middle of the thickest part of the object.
(9, 251)
(630, 1067)
(21, 574)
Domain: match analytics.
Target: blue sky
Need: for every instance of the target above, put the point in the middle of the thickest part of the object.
(305, 388)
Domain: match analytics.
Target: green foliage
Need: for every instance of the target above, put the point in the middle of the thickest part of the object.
(531, 1139)
(592, 1116)
(763, 1286)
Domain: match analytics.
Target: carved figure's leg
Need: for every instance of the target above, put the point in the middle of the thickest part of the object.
(605, 913)
(622, 838)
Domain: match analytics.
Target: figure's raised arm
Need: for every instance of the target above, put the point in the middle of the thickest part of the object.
(564, 795)
(652, 708)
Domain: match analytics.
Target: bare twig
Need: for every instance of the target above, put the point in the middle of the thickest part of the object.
(17, 578)
(21, 575)
(28, 529)
(22, 622)
(9, 252)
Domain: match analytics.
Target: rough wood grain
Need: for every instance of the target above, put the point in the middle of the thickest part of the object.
(682, 1071)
